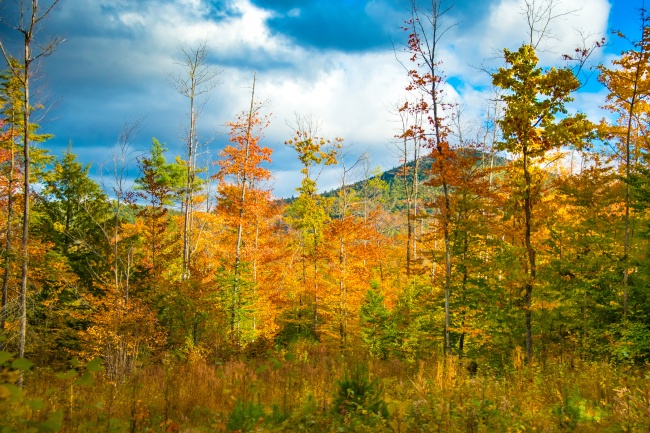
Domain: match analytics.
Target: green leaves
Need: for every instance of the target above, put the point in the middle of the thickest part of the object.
(21, 364)
(4, 357)
(15, 405)
(534, 99)
(67, 375)
(85, 377)
(94, 366)
(54, 423)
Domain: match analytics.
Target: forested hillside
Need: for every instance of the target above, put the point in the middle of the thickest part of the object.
(490, 284)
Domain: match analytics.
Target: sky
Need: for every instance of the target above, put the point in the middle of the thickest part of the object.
(337, 61)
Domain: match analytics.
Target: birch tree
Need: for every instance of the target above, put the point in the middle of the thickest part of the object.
(197, 79)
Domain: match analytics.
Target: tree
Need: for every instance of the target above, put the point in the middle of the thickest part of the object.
(628, 84)
(376, 330)
(197, 80)
(31, 17)
(75, 211)
(11, 99)
(241, 175)
(347, 234)
(307, 213)
(121, 190)
(12, 94)
(412, 141)
(158, 185)
(535, 121)
(425, 32)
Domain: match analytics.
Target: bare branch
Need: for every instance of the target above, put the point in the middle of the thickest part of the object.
(198, 77)
(539, 15)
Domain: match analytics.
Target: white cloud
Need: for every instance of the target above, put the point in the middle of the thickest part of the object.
(506, 26)
(126, 62)
(480, 44)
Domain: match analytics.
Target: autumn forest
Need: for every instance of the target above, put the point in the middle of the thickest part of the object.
(494, 281)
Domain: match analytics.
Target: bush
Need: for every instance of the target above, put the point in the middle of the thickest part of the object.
(357, 394)
(245, 416)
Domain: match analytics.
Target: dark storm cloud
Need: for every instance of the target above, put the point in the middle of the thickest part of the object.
(110, 71)
(112, 67)
(345, 25)
(353, 25)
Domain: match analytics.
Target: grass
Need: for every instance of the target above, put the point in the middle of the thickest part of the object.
(302, 390)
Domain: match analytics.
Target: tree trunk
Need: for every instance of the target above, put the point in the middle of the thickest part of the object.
(240, 226)
(532, 269)
(8, 239)
(26, 189)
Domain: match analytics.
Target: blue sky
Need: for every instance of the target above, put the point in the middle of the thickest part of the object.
(332, 59)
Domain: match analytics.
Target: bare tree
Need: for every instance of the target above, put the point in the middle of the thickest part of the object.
(344, 204)
(410, 147)
(196, 80)
(539, 15)
(121, 158)
(427, 28)
(30, 20)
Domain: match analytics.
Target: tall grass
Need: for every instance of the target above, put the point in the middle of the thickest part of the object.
(296, 390)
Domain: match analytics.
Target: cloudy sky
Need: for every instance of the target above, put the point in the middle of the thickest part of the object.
(332, 59)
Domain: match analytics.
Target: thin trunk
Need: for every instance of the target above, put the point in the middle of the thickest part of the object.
(127, 273)
(68, 219)
(8, 239)
(637, 95)
(199, 81)
(153, 240)
(116, 233)
(28, 33)
(532, 269)
(429, 57)
(343, 308)
(303, 293)
(461, 341)
(626, 246)
(189, 186)
(414, 190)
(342, 292)
(409, 206)
(446, 212)
(257, 239)
(26, 190)
(26, 193)
(315, 324)
(240, 226)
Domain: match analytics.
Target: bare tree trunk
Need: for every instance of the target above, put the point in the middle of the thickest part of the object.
(410, 184)
(200, 79)
(120, 158)
(189, 187)
(315, 323)
(28, 26)
(26, 188)
(532, 268)
(342, 253)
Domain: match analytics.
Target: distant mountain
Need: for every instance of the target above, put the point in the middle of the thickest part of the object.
(395, 179)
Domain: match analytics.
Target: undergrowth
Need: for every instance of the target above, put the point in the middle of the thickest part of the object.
(321, 391)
